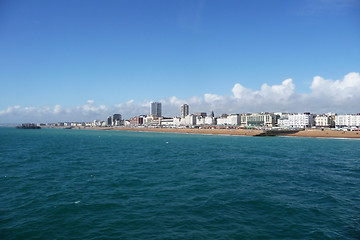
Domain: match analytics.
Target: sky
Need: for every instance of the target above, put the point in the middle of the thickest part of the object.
(84, 60)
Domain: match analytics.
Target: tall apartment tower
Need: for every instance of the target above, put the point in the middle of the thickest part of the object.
(116, 119)
(184, 110)
(155, 109)
(109, 121)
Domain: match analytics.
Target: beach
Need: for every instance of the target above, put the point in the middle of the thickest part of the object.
(326, 134)
(240, 132)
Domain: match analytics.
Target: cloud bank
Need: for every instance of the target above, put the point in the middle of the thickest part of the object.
(326, 95)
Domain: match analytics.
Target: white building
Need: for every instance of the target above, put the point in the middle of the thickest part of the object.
(203, 119)
(78, 124)
(127, 123)
(210, 120)
(322, 120)
(221, 121)
(151, 120)
(189, 120)
(167, 122)
(232, 119)
(200, 120)
(177, 121)
(347, 120)
(97, 123)
(284, 122)
(297, 120)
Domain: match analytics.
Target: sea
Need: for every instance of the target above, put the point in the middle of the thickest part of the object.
(96, 184)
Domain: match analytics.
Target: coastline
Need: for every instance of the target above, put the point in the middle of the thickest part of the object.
(314, 133)
(237, 132)
(318, 133)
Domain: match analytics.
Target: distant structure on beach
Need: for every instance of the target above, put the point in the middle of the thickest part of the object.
(155, 109)
(184, 110)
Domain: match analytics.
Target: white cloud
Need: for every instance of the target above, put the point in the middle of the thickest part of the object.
(241, 92)
(58, 109)
(278, 92)
(348, 88)
(268, 98)
(342, 95)
(174, 101)
(326, 95)
(10, 110)
(212, 98)
(195, 100)
(130, 102)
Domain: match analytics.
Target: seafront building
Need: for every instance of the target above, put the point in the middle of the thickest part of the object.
(184, 110)
(109, 121)
(199, 120)
(136, 121)
(347, 120)
(229, 120)
(98, 123)
(155, 109)
(167, 122)
(189, 120)
(151, 120)
(114, 120)
(258, 120)
(324, 121)
(210, 120)
(297, 120)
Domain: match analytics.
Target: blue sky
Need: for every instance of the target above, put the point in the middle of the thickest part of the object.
(61, 54)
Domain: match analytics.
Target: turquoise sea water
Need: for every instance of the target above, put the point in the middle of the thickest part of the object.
(82, 184)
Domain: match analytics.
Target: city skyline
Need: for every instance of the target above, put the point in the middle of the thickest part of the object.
(185, 117)
(263, 120)
(72, 61)
(242, 101)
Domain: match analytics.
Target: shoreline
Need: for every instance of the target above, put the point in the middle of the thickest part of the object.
(236, 132)
(318, 133)
(313, 133)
